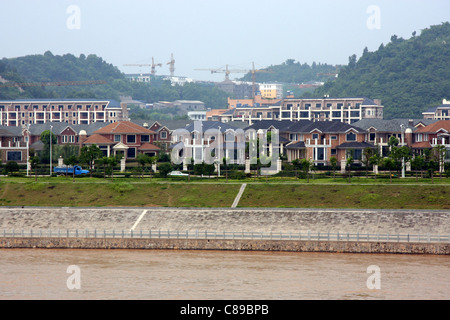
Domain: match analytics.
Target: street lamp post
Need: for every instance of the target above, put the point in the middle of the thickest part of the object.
(51, 136)
(218, 153)
(402, 126)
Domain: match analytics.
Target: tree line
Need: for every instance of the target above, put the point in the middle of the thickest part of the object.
(409, 76)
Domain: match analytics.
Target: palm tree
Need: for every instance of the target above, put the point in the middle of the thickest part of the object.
(389, 163)
(376, 160)
(34, 161)
(348, 164)
(333, 161)
(112, 162)
(307, 166)
(72, 161)
(143, 159)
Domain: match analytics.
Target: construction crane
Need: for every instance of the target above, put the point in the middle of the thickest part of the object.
(48, 84)
(153, 65)
(172, 65)
(228, 71)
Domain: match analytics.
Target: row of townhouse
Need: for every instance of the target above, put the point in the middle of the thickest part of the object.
(347, 110)
(123, 137)
(316, 140)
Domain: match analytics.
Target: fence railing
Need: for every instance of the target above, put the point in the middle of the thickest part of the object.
(225, 235)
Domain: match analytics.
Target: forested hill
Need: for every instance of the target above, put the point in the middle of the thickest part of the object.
(55, 68)
(293, 72)
(409, 76)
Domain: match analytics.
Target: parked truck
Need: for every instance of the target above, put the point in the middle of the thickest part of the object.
(70, 170)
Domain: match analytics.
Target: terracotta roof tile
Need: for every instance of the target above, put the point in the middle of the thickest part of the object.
(149, 146)
(421, 145)
(97, 139)
(434, 127)
(124, 127)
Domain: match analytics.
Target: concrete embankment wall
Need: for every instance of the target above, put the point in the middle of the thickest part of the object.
(220, 244)
(231, 220)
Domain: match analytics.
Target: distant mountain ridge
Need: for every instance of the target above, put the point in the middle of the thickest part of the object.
(409, 76)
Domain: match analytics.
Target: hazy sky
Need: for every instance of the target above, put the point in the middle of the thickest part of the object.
(211, 33)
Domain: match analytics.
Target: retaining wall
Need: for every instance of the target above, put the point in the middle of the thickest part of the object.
(220, 244)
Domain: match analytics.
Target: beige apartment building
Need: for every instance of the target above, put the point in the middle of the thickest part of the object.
(347, 110)
(37, 111)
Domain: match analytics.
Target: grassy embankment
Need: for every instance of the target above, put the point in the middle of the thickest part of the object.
(323, 193)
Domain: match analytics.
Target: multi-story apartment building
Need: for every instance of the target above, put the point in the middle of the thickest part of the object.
(441, 112)
(347, 110)
(38, 111)
(271, 90)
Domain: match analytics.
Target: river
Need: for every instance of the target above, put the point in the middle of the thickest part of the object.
(66, 274)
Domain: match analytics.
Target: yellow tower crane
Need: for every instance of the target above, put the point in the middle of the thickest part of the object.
(153, 66)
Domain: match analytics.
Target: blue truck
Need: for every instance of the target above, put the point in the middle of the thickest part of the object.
(70, 170)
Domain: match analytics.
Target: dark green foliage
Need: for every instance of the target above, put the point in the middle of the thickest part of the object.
(293, 72)
(409, 76)
(54, 68)
(164, 169)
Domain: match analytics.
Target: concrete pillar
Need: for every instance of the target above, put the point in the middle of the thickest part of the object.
(60, 162)
(375, 168)
(154, 167)
(279, 165)
(247, 165)
(343, 164)
(122, 164)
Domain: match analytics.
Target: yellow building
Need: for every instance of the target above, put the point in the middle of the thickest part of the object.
(271, 90)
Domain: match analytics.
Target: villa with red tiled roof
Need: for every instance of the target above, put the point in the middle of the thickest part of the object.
(123, 138)
(437, 133)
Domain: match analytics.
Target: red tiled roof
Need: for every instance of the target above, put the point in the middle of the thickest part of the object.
(149, 146)
(435, 127)
(421, 145)
(124, 127)
(98, 139)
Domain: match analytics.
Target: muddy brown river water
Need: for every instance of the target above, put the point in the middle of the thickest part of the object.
(179, 275)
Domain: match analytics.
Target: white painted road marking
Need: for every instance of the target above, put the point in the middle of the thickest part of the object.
(139, 219)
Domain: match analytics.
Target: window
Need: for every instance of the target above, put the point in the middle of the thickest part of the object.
(315, 136)
(333, 152)
(357, 154)
(419, 137)
(336, 114)
(320, 154)
(229, 136)
(145, 138)
(68, 139)
(371, 136)
(131, 139)
(163, 134)
(117, 138)
(333, 137)
(131, 153)
(14, 156)
(351, 136)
